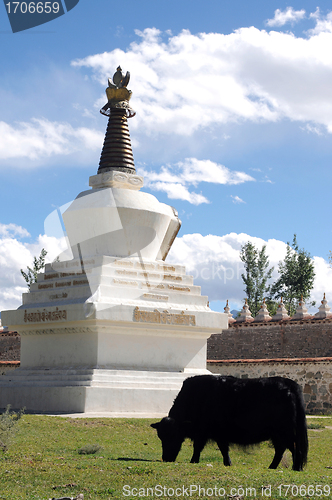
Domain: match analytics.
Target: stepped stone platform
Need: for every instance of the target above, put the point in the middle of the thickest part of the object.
(94, 390)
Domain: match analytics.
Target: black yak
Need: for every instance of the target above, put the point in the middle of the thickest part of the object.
(230, 410)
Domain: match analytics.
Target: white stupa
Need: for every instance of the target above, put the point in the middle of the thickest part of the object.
(110, 326)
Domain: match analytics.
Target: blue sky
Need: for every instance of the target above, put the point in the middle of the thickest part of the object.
(233, 127)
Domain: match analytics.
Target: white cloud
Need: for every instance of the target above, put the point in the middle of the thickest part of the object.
(237, 199)
(323, 24)
(322, 280)
(316, 14)
(188, 82)
(175, 179)
(176, 191)
(41, 138)
(313, 129)
(215, 263)
(286, 16)
(9, 230)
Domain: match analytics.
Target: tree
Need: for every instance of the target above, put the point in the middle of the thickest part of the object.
(38, 264)
(296, 277)
(256, 275)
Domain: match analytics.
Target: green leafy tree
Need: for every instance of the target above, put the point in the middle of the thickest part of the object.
(296, 277)
(38, 265)
(272, 306)
(256, 275)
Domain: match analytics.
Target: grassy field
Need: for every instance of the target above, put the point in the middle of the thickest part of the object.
(46, 460)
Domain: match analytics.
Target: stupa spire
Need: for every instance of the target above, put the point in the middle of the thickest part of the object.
(263, 313)
(281, 313)
(324, 310)
(245, 316)
(301, 311)
(229, 314)
(117, 153)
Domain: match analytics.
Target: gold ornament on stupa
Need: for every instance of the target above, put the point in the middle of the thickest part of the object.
(117, 94)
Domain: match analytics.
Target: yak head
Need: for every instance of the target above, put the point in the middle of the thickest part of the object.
(171, 435)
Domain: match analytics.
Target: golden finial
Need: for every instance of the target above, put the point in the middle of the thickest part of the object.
(117, 94)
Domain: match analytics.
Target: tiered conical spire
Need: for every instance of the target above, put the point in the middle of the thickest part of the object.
(324, 310)
(301, 311)
(281, 313)
(228, 312)
(117, 153)
(245, 316)
(263, 313)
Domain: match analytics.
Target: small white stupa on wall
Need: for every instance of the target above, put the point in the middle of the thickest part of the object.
(109, 326)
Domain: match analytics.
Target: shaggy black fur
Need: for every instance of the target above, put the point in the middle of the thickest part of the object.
(241, 411)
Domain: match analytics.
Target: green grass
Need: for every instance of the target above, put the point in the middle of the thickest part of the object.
(316, 425)
(43, 462)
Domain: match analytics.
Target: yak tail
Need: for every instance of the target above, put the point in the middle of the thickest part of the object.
(301, 436)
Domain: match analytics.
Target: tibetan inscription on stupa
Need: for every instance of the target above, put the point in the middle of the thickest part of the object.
(164, 318)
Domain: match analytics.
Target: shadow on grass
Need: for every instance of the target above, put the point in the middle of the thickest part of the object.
(127, 459)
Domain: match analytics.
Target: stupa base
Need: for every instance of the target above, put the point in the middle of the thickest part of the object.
(94, 391)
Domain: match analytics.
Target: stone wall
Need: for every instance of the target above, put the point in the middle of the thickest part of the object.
(313, 374)
(283, 339)
(10, 346)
